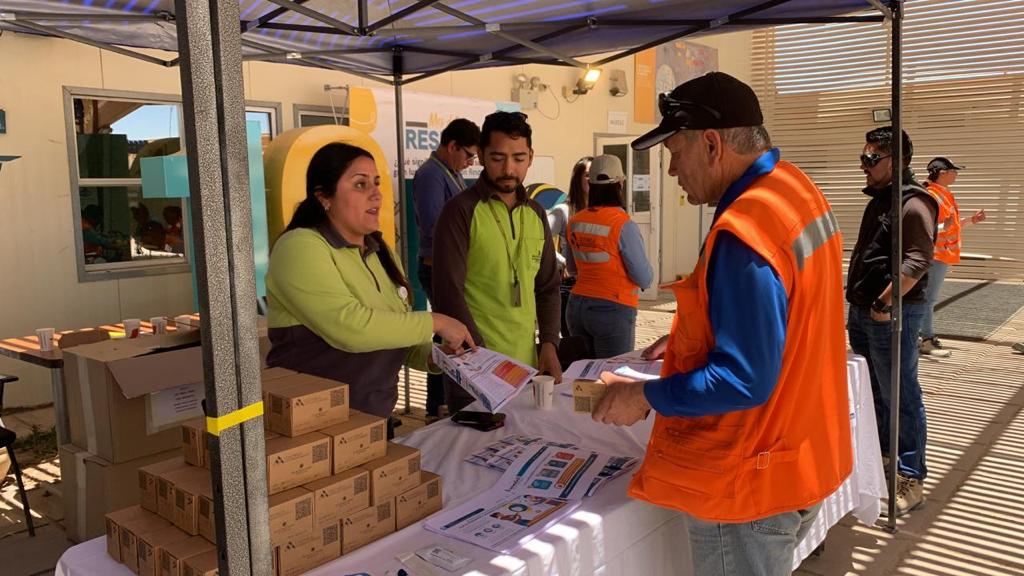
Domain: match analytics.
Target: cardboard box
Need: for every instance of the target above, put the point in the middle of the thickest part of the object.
(292, 462)
(94, 486)
(306, 404)
(112, 522)
(148, 481)
(126, 397)
(301, 555)
(151, 543)
(207, 519)
(186, 501)
(367, 526)
(269, 380)
(396, 472)
(586, 394)
(340, 495)
(174, 554)
(129, 531)
(204, 564)
(361, 439)
(165, 483)
(291, 515)
(422, 501)
(193, 442)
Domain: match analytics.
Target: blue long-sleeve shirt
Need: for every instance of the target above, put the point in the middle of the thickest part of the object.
(747, 306)
(634, 256)
(432, 187)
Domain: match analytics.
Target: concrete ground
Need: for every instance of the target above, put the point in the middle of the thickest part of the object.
(970, 525)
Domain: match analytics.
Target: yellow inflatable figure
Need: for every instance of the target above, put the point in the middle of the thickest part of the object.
(285, 163)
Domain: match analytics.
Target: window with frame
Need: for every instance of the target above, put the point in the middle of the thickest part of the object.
(121, 232)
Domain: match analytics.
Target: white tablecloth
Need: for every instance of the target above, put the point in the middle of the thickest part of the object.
(609, 534)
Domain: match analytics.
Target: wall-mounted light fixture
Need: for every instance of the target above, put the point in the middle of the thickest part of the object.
(881, 115)
(585, 83)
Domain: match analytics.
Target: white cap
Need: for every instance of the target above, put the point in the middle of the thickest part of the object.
(606, 169)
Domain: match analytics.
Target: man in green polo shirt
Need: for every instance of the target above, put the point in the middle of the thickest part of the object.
(494, 262)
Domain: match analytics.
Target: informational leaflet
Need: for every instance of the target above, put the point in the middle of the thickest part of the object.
(558, 472)
(630, 365)
(501, 521)
(501, 454)
(491, 377)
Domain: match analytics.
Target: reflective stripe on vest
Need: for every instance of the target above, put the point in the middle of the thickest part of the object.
(592, 257)
(814, 236)
(794, 450)
(600, 271)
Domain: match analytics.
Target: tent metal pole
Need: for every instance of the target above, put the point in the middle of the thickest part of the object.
(896, 8)
(364, 17)
(51, 31)
(403, 248)
(91, 17)
(259, 22)
(408, 10)
(319, 17)
(495, 29)
(214, 107)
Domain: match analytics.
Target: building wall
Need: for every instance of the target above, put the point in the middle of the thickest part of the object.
(39, 284)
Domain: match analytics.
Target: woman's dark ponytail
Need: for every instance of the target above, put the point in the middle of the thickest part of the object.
(387, 261)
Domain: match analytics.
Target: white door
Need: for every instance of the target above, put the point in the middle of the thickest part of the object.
(642, 194)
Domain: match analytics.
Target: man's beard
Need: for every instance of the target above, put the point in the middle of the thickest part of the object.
(506, 184)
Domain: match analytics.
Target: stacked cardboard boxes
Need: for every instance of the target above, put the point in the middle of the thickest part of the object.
(334, 483)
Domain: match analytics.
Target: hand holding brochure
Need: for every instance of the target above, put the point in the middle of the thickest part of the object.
(630, 365)
(491, 377)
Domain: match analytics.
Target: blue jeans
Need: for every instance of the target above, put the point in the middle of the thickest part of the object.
(936, 275)
(608, 328)
(872, 340)
(762, 547)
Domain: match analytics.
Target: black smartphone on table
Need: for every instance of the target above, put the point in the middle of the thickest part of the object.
(483, 421)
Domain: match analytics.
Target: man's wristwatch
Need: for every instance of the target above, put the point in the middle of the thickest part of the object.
(881, 307)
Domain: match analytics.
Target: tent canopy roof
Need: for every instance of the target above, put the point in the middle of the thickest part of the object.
(362, 36)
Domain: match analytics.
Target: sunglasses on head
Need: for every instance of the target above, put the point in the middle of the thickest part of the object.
(872, 160)
(683, 109)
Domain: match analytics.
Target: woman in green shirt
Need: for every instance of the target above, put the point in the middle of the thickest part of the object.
(338, 300)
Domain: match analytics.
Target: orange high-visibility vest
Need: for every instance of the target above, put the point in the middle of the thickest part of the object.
(795, 449)
(600, 271)
(947, 234)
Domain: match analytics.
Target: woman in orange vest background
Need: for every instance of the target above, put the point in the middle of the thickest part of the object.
(611, 266)
(941, 175)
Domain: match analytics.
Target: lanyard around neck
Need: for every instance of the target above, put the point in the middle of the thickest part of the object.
(513, 258)
(459, 184)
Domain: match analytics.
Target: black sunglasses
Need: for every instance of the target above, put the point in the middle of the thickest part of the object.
(683, 109)
(872, 160)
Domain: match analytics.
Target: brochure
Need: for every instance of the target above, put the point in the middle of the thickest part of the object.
(491, 377)
(499, 520)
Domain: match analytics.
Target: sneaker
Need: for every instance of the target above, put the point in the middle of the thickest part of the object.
(932, 347)
(909, 494)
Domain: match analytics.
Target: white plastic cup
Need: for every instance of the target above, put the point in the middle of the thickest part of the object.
(132, 327)
(45, 336)
(159, 324)
(183, 322)
(543, 391)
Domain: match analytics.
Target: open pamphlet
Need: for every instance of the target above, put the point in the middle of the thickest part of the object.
(491, 377)
(501, 521)
(629, 365)
(542, 482)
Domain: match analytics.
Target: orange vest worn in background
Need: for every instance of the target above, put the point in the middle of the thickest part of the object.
(600, 271)
(947, 235)
(795, 449)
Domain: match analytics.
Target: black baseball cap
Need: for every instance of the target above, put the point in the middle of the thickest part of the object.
(715, 100)
(941, 163)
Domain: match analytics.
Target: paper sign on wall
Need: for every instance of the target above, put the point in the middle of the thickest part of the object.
(617, 122)
(641, 182)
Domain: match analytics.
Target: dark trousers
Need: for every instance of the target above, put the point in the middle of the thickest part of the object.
(435, 382)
